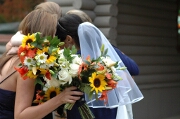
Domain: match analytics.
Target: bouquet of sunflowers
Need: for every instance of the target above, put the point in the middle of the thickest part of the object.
(55, 69)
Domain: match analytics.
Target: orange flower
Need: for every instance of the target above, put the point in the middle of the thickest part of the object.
(25, 51)
(104, 97)
(112, 83)
(22, 71)
(22, 53)
(101, 67)
(108, 76)
(31, 53)
(82, 67)
(39, 97)
(88, 58)
(48, 75)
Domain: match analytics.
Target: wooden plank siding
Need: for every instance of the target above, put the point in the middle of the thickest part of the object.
(147, 32)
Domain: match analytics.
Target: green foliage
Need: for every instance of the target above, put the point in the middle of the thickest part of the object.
(2, 19)
(68, 52)
(38, 81)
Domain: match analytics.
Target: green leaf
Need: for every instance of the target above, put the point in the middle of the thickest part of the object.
(87, 90)
(39, 41)
(122, 68)
(105, 52)
(102, 49)
(74, 50)
(87, 62)
(53, 41)
(38, 81)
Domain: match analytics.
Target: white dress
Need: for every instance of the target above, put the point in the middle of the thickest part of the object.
(124, 112)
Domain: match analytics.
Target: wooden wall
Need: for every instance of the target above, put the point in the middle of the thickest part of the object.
(147, 32)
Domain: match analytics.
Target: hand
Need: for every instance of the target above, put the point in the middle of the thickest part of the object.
(12, 51)
(69, 95)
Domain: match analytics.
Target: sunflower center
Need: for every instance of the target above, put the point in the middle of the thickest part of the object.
(97, 82)
(53, 94)
(29, 41)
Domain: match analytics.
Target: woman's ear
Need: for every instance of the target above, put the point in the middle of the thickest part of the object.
(69, 41)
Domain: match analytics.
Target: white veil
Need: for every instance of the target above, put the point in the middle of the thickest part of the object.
(126, 92)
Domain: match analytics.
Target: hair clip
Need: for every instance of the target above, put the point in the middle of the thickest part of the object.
(59, 25)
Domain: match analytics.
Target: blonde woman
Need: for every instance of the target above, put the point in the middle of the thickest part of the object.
(16, 94)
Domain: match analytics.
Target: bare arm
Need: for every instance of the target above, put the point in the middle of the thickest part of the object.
(24, 97)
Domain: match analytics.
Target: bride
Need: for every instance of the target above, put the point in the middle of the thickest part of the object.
(88, 39)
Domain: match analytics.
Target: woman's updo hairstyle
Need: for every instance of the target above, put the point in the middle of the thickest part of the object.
(68, 25)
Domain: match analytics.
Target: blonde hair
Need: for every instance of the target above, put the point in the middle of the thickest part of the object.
(50, 7)
(84, 17)
(42, 19)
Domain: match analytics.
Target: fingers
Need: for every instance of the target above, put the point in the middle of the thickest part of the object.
(70, 95)
(71, 88)
(78, 93)
(72, 91)
(73, 99)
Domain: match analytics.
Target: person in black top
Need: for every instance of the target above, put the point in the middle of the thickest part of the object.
(16, 94)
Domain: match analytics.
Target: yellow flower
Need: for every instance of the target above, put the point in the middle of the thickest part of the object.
(97, 82)
(28, 39)
(42, 71)
(31, 75)
(44, 50)
(51, 92)
(51, 59)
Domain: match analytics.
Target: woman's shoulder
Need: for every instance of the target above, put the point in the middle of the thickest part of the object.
(10, 64)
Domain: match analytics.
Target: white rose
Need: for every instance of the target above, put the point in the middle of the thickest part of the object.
(73, 69)
(76, 59)
(64, 76)
(60, 52)
(108, 62)
(53, 82)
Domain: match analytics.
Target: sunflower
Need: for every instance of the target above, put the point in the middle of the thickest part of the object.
(97, 82)
(44, 50)
(51, 59)
(51, 92)
(28, 39)
(31, 75)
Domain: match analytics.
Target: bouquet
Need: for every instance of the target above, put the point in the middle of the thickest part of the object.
(55, 69)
